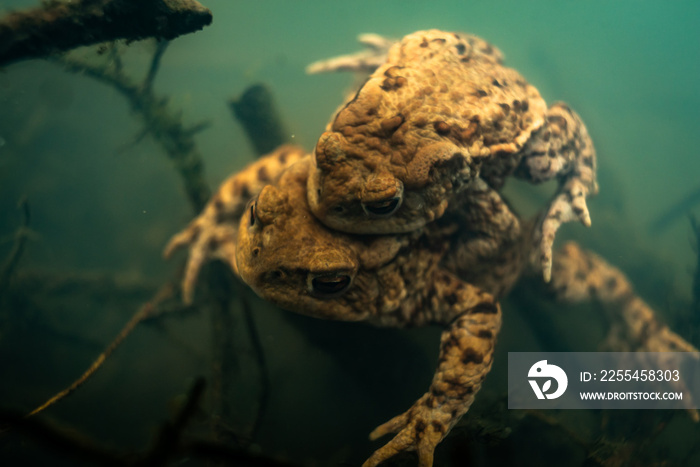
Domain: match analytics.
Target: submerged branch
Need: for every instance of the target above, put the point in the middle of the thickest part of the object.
(674, 212)
(695, 306)
(21, 236)
(149, 309)
(169, 446)
(61, 26)
(255, 110)
(259, 354)
(62, 440)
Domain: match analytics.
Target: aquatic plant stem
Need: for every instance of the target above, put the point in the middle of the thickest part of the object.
(163, 124)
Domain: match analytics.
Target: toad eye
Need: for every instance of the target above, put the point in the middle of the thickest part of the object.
(329, 286)
(252, 215)
(383, 208)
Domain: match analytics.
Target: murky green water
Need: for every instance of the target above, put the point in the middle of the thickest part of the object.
(103, 206)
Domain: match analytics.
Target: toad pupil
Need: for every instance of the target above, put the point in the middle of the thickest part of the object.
(330, 285)
(252, 214)
(382, 208)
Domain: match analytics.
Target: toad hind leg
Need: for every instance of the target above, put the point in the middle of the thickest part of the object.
(473, 319)
(561, 149)
(580, 276)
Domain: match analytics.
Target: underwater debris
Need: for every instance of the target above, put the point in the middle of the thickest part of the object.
(166, 128)
(148, 310)
(61, 26)
(178, 142)
(676, 211)
(695, 291)
(163, 124)
(255, 110)
(20, 236)
(170, 444)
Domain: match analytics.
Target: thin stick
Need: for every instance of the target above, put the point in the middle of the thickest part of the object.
(146, 311)
(259, 353)
(18, 248)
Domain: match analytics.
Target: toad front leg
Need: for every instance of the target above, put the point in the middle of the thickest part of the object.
(561, 149)
(473, 319)
(212, 234)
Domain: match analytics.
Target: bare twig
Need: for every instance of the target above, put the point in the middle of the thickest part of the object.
(169, 439)
(259, 353)
(146, 311)
(169, 444)
(18, 248)
(224, 361)
(60, 26)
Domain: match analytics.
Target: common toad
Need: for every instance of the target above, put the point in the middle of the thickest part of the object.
(451, 273)
(441, 112)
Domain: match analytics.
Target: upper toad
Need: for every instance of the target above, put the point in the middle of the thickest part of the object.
(440, 113)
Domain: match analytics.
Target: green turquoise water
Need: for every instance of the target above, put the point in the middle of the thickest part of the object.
(102, 206)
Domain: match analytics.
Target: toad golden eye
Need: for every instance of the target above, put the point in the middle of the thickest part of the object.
(331, 285)
(382, 208)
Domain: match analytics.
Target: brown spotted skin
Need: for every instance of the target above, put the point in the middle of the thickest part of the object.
(491, 245)
(212, 234)
(472, 319)
(391, 281)
(439, 114)
(449, 273)
(582, 276)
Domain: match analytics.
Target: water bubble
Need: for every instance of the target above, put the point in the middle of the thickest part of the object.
(2, 141)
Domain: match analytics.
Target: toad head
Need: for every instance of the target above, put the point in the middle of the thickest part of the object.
(356, 189)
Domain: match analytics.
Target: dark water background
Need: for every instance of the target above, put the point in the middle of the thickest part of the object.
(102, 209)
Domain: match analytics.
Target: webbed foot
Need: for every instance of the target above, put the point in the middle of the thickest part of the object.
(366, 61)
(419, 429)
